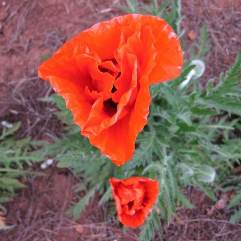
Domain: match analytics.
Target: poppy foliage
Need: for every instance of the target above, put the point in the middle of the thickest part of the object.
(134, 198)
(104, 74)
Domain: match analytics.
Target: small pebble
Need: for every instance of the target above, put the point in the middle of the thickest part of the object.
(43, 166)
(6, 124)
(49, 162)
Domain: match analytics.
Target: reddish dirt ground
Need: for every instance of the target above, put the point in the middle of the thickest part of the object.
(31, 30)
(39, 213)
(223, 20)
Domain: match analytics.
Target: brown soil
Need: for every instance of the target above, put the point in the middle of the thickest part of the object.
(206, 222)
(38, 213)
(223, 19)
(30, 30)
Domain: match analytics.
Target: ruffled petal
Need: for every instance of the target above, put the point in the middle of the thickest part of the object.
(104, 74)
(151, 192)
(107, 111)
(69, 77)
(102, 38)
(134, 198)
(133, 221)
(169, 59)
(118, 141)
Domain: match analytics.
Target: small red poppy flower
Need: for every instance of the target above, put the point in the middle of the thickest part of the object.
(104, 74)
(134, 198)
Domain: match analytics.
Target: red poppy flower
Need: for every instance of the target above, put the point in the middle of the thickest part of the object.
(134, 198)
(104, 74)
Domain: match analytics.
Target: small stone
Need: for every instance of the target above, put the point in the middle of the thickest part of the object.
(49, 162)
(192, 35)
(43, 166)
(6, 124)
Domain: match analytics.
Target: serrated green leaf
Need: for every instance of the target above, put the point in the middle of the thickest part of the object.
(208, 191)
(235, 201)
(82, 203)
(10, 183)
(184, 201)
(236, 217)
(148, 229)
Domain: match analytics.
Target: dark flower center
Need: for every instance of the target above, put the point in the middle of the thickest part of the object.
(105, 70)
(114, 71)
(110, 107)
(113, 89)
(130, 205)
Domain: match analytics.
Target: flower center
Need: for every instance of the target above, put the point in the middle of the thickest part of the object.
(105, 70)
(113, 89)
(111, 67)
(130, 208)
(110, 107)
(130, 205)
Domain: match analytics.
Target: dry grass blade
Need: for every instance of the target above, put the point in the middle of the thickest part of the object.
(3, 223)
(2, 220)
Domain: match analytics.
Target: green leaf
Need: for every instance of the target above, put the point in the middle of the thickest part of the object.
(82, 203)
(9, 131)
(235, 201)
(223, 104)
(184, 201)
(148, 229)
(231, 80)
(236, 217)
(206, 174)
(208, 191)
(10, 183)
(132, 6)
(106, 196)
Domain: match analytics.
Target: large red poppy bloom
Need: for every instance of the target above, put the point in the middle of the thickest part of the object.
(104, 74)
(134, 198)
